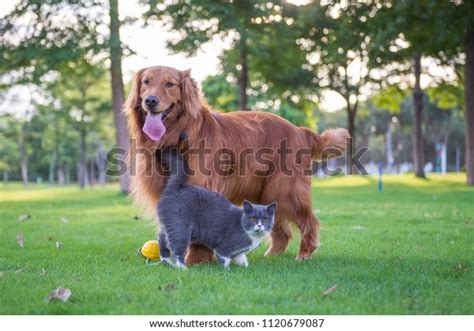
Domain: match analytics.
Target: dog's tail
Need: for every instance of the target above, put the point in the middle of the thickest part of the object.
(177, 166)
(331, 143)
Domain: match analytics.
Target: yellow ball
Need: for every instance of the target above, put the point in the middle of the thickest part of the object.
(150, 250)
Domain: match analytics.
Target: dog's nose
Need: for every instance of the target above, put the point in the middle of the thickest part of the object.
(152, 101)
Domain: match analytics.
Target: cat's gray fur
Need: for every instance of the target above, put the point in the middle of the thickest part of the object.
(188, 213)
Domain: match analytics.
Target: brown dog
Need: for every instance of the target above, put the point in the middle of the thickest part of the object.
(240, 154)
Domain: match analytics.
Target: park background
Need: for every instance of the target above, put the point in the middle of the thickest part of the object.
(398, 74)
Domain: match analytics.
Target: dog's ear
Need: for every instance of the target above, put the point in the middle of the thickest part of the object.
(133, 101)
(190, 95)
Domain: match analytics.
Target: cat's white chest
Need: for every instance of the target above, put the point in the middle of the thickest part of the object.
(256, 240)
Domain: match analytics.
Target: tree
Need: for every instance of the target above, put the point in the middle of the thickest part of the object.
(79, 91)
(38, 37)
(336, 42)
(459, 39)
(404, 32)
(469, 96)
(199, 22)
(9, 152)
(121, 130)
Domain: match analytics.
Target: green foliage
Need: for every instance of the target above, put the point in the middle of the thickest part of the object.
(198, 22)
(82, 91)
(448, 96)
(337, 42)
(9, 131)
(390, 98)
(221, 94)
(400, 29)
(39, 36)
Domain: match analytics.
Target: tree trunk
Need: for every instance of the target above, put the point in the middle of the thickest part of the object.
(82, 163)
(101, 161)
(67, 174)
(52, 165)
(351, 127)
(92, 178)
(469, 102)
(24, 164)
(23, 154)
(243, 75)
(121, 130)
(61, 174)
(5, 177)
(418, 153)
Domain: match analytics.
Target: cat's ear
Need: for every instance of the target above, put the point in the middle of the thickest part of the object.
(248, 207)
(271, 208)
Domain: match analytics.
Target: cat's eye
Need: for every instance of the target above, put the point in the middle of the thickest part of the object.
(253, 219)
(265, 220)
(169, 84)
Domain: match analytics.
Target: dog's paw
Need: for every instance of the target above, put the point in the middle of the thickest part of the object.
(303, 256)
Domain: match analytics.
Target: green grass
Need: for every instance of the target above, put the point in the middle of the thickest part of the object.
(407, 250)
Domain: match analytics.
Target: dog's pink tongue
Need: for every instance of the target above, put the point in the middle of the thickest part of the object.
(154, 127)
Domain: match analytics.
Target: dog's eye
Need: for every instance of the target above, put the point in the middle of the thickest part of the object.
(169, 84)
(146, 82)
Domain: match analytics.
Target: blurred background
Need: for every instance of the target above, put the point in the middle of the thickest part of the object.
(398, 74)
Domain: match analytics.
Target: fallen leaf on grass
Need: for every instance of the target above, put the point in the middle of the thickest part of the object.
(21, 240)
(330, 290)
(44, 272)
(49, 238)
(58, 244)
(460, 268)
(467, 222)
(170, 287)
(2, 274)
(136, 218)
(24, 217)
(358, 227)
(19, 270)
(60, 293)
(63, 219)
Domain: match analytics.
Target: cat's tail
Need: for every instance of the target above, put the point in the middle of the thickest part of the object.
(177, 166)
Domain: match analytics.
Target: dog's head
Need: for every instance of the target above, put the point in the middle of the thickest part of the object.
(162, 90)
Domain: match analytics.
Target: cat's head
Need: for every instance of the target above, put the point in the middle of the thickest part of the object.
(257, 220)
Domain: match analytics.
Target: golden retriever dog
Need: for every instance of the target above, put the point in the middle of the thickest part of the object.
(251, 155)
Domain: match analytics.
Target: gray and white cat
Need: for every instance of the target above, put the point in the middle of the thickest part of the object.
(192, 214)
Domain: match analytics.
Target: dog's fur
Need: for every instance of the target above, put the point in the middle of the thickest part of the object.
(235, 131)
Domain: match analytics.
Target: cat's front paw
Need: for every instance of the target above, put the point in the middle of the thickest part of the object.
(241, 260)
(180, 265)
(166, 261)
(223, 260)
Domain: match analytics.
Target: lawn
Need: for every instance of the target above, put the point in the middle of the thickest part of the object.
(406, 250)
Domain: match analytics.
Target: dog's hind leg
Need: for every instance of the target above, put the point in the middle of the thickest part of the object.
(308, 225)
(199, 254)
(303, 217)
